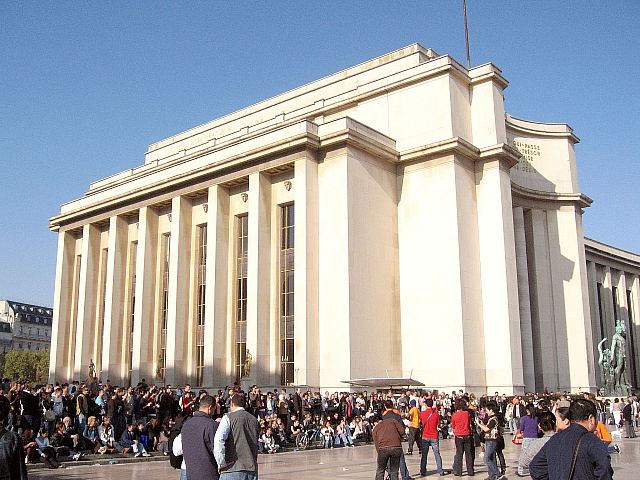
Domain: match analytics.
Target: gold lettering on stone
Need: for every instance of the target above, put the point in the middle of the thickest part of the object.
(530, 152)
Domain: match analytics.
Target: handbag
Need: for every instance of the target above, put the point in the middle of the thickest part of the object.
(518, 438)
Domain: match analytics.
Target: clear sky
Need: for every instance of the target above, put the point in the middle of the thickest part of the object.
(86, 86)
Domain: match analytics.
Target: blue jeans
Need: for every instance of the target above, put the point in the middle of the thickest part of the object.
(404, 471)
(183, 474)
(433, 443)
(490, 458)
(241, 475)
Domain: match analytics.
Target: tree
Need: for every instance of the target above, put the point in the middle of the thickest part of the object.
(42, 366)
(26, 366)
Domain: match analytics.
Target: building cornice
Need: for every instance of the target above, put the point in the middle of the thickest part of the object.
(540, 129)
(302, 136)
(579, 199)
(608, 255)
(462, 147)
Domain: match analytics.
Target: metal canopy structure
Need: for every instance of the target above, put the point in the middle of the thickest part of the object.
(384, 382)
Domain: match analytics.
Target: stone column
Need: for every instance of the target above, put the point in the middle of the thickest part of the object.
(179, 291)
(570, 267)
(62, 307)
(541, 298)
(597, 335)
(87, 294)
(306, 333)
(113, 342)
(526, 334)
(498, 271)
(144, 313)
(258, 276)
(215, 327)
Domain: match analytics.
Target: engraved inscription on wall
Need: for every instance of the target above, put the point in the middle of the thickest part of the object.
(530, 153)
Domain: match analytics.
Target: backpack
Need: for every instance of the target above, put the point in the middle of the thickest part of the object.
(174, 460)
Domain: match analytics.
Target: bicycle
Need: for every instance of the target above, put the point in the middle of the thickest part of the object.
(312, 437)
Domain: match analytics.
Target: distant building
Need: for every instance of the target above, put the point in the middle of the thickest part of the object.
(24, 326)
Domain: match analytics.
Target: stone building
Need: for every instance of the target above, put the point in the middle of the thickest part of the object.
(421, 230)
(24, 326)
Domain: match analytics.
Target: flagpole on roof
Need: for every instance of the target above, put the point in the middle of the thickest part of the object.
(466, 33)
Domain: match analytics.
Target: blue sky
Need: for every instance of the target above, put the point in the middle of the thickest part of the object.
(86, 86)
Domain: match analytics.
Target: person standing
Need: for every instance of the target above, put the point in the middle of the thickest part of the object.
(387, 438)
(430, 419)
(529, 426)
(392, 413)
(627, 416)
(492, 432)
(198, 437)
(574, 452)
(414, 427)
(461, 424)
(236, 443)
(12, 466)
(517, 412)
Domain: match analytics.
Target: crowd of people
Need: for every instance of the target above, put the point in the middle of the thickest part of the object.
(75, 419)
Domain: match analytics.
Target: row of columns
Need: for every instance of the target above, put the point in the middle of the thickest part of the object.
(77, 316)
(553, 299)
(605, 314)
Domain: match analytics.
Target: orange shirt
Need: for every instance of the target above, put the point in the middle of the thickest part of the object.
(414, 417)
(602, 433)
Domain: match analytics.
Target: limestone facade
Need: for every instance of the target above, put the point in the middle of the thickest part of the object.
(24, 326)
(390, 219)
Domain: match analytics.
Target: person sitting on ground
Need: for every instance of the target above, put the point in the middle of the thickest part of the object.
(106, 435)
(548, 426)
(153, 431)
(130, 442)
(29, 446)
(165, 433)
(343, 434)
(47, 453)
(91, 436)
(74, 439)
(295, 430)
(358, 427)
(327, 432)
(268, 442)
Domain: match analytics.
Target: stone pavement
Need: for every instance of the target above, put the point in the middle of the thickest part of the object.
(339, 463)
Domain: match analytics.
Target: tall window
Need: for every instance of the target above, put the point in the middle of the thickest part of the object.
(287, 240)
(240, 330)
(200, 303)
(614, 298)
(599, 288)
(632, 340)
(132, 303)
(164, 312)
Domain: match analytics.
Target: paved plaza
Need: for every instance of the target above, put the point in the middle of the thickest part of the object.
(339, 463)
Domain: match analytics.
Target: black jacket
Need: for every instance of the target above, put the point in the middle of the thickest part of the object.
(12, 465)
(553, 461)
